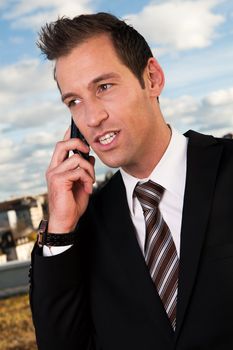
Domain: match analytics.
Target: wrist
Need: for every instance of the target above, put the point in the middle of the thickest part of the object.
(54, 226)
(51, 239)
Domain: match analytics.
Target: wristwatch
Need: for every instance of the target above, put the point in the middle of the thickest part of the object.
(53, 239)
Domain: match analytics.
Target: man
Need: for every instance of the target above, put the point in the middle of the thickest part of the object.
(163, 220)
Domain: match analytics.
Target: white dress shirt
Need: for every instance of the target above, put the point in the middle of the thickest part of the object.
(170, 173)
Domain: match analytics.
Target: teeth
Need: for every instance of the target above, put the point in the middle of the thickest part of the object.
(104, 140)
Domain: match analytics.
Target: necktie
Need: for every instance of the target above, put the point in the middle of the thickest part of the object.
(160, 251)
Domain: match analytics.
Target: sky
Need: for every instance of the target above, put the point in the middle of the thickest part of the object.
(192, 40)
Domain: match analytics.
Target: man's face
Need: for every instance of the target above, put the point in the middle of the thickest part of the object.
(107, 103)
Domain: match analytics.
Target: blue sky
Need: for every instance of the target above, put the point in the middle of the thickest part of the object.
(192, 39)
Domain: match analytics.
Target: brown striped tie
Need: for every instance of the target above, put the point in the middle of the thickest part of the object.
(160, 251)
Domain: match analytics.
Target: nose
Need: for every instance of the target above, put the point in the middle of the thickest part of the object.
(95, 113)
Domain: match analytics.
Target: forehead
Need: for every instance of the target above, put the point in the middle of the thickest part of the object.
(93, 55)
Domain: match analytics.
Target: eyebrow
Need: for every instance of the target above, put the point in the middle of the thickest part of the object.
(67, 95)
(92, 82)
(103, 77)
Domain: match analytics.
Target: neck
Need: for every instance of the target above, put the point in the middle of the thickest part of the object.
(155, 152)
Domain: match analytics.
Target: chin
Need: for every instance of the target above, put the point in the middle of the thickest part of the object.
(112, 163)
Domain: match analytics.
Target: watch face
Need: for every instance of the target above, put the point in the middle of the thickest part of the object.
(43, 226)
(54, 239)
(42, 230)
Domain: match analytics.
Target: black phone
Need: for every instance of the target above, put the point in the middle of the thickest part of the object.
(75, 132)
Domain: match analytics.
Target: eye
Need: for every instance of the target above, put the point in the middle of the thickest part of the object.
(104, 87)
(73, 102)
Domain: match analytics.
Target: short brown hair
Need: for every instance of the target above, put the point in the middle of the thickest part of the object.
(58, 38)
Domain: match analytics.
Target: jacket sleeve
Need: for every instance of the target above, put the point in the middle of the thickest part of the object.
(59, 299)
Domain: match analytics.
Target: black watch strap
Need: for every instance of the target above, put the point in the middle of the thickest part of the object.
(54, 239)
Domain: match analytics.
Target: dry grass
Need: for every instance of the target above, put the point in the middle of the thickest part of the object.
(16, 329)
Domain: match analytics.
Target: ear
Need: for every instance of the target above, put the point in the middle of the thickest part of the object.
(154, 77)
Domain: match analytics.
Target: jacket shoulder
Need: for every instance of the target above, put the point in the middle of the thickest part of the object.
(202, 139)
(109, 190)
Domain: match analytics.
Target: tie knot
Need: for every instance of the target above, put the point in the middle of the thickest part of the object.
(149, 194)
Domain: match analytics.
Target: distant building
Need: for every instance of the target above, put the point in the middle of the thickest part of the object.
(19, 218)
(228, 136)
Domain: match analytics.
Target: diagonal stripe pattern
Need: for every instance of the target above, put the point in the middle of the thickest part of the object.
(160, 251)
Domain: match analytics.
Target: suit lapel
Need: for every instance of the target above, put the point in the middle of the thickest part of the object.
(129, 255)
(203, 159)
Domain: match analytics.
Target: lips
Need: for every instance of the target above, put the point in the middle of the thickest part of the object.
(107, 138)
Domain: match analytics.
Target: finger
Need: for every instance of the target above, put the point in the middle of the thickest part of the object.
(65, 155)
(71, 177)
(85, 180)
(77, 161)
(62, 149)
(88, 165)
(68, 164)
(73, 162)
(67, 134)
(92, 169)
(92, 160)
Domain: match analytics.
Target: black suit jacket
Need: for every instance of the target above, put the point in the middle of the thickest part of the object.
(99, 294)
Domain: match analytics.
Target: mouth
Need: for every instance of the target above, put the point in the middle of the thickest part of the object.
(107, 138)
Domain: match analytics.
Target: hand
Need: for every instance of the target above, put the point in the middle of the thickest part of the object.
(70, 183)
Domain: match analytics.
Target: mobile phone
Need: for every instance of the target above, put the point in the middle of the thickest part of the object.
(75, 133)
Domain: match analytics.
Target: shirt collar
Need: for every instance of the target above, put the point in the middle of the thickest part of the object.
(170, 172)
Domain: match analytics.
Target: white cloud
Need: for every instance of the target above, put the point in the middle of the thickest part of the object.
(199, 72)
(7, 150)
(22, 167)
(19, 180)
(178, 24)
(211, 114)
(37, 114)
(32, 14)
(23, 75)
(28, 95)
(219, 98)
(40, 138)
(179, 107)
